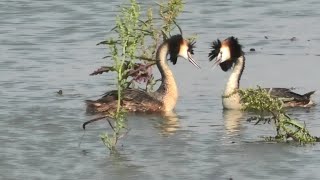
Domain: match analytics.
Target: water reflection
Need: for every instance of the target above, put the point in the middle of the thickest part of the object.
(52, 45)
(232, 121)
(169, 123)
(122, 167)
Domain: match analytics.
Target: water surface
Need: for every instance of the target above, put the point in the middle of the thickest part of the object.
(47, 46)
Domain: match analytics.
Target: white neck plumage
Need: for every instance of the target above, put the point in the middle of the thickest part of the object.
(234, 79)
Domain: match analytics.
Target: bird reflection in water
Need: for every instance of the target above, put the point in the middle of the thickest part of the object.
(169, 123)
(232, 121)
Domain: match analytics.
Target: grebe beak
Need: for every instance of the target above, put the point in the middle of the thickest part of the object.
(217, 61)
(192, 60)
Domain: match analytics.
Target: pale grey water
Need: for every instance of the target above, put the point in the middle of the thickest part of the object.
(50, 45)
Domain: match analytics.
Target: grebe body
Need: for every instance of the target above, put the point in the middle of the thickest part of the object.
(228, 54)
(162, 100)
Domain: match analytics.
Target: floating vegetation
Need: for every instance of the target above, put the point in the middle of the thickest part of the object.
(271, 110)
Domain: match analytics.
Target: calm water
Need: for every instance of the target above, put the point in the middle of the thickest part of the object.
(47, 46)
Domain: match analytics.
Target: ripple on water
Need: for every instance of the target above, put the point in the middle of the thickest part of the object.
(51, 46)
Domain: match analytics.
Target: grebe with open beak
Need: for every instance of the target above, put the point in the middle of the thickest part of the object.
(228, 54)
(162, 100)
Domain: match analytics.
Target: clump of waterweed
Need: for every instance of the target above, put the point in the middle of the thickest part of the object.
(270, 109)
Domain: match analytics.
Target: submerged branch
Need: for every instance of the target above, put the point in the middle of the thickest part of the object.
(102, 69)
(92, 120)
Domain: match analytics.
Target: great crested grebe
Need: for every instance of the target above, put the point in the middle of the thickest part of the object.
(162, 100)
(229, 53)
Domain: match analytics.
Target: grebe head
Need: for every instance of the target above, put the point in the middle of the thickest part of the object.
(226, 52)
(181, 47)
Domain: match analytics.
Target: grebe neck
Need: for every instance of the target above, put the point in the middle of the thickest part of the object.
(168, 91)
(233, 83)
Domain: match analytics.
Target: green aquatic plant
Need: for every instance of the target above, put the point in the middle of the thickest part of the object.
(149, 33)
(133, 53)
(122, 52)
(271, 110)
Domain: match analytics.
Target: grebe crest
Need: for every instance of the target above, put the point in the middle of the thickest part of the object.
(181, 47)
(226, 52)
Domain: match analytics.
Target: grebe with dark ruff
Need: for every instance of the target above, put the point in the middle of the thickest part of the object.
(162, 100)
(228, 54)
